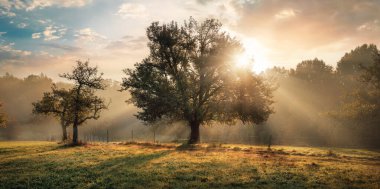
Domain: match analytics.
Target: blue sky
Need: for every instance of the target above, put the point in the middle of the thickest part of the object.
(47, 36)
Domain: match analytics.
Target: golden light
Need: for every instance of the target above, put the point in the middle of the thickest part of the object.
(253, 56)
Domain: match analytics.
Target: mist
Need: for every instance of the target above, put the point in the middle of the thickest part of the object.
(303, 104)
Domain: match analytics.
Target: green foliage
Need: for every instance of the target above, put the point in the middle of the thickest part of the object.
(85, 105)
(359, 106)
(362, 105)
(352, 65)
(314, 71)
(76, 105)
(189, 75)
(352, 62)
(276, 74)
(85, 77)
(56, 103)
(250, 98)
(371, 74)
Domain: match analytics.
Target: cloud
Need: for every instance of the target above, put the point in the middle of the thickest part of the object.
(370, 26)
(6, 4)
(7, 13)
(59, 3)
(2, 33)
(9, 53)
(36, 35)
(49, 33)
(284, 14)
(294, 30)
(41, 62)
(67, 48)
(17, 4)
(128, 43)
(312, 23)
(204, 2)
(289, 30)
(132, 10)
(40, 4)
(22, 25)
(53, 33)
(127, 37)
(42, 21)
(89, 35)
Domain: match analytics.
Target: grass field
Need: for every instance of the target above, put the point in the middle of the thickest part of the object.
(50, 165)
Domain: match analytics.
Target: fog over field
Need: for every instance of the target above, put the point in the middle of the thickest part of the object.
(303, 107)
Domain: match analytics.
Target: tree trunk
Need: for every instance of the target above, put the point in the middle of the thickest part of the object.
(76, 116)
(64, 133)
(75, 134)
(258, 134)
(154, 136)
(194, 134)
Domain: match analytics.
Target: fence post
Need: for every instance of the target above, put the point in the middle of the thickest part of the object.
(107, 136)
(269, 142)
(132, 135)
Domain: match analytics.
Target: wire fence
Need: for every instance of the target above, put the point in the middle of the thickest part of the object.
(107, 137)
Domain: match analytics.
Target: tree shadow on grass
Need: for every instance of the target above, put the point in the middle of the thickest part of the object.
(126, 171)
(14, 152)
(273, 180)
(119, 172)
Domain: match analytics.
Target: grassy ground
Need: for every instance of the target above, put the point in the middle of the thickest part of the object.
(50, 165)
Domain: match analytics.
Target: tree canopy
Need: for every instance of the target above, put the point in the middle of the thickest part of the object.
(351, 63)
(76, 105)
(362, 104)
(57, 103)
(314, 71)
(190, 75)
(85, 105)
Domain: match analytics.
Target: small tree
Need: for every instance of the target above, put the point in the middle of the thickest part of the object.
(85, 105)
(189, 75)
(58, 104)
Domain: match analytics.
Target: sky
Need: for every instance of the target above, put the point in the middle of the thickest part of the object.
(48, 36)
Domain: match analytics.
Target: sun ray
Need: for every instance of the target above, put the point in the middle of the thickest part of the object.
(253, 57)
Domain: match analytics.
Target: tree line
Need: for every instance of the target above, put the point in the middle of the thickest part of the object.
(343, 100)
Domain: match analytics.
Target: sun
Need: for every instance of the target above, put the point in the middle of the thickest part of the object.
(253, 56)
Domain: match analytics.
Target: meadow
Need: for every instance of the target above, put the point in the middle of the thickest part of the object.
(146, 165)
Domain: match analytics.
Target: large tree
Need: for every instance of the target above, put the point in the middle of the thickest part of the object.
(85, 105)
(362, 104)
(352, 62)
(58, 104)
(190, 75)
(350, 66)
